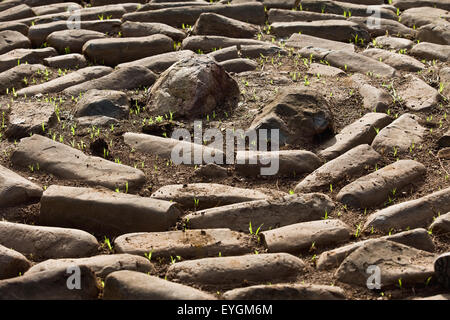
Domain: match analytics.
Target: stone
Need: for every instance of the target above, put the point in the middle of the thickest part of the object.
(207, 195)
(97, 121)
(110, 103)
(12, 263)
(396, 261)
(442, 270)
(355, 62)
(431, 51)
(209, 23)
(67, 61)
(14, 77)
(408, 4)
(49, 285)
(395, 60)
(16, 190)
(104, 212)
(193, 87)
(288, 162)
(167, 148)
(69, 80)
(47, 242)
(423, 15)
(239, 65)
(55, 8)
(29, 118)
(160, 62)
(129, 285)
(417, 238)
(375, 188)
(211, 43)
(393, 43)
(336, 30)
(225, 54)
(282, 15)
(102, 265)
(144, 29)
(20, 56)
(286, 292)
(72, 40)
(70, 163)
(400, 135)
(444, 77)
(10, 40)
(412, 213)
(379, 27)
(14, 26)
(317, 69)
(187, 244)
(441, 224)
(362, 131)
(299, 113)
(302, 41)
(211, 170)
(300, 237)
(374, 99)
(253, 51)
(39, 32)
(113, 51)
(16, 13)
(349, 165)
(418, 95)
(251, 12)
(235, 271)
(263, 214)
(435, 33)
(121, 79)
(171, 4)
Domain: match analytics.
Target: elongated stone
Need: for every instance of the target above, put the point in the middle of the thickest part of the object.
(418, 95)
(441, 224)
(187, 244)
(395, 60)
(375, 188)
(16, 190)
(263, 214)
(12, 263)
(302, 40)
(105, 212)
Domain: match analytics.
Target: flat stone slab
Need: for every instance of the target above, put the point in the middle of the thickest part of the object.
(302, 40)
(436, 33)
(69, 80)
(431, 51)
(12, 263)
(379, 26)
(317, 69)
(263, 214)
(441, 224)
(105, 212)
(286, 292)
(102, 265)
(395, 60)
(407, 4)
(69, 163)
(400, 135)
(284, 162)
(209, 43)
(167, 148)
(351, 164)
(413, 213)
(28, 118)
(336, 30)
(108, 103)
(10, 40)
(418, 95)
(374, 99)
(283, 15)
(251, 269)
(130, 285)
(362, 131)
(113, 51)
(239, 65)
(16, 190)
(67, 61)
(160, 62)
(299, 237)
(47, 242)
(419, 16)
(376, 188)
(144, 29)
(209, 23)
(417, 238)
(50, 285)
(355, 62)
(32, 56)
(186, 244)
(120, 79)
(72, 40)
(207, 195)
(393, 43)
(396, 261)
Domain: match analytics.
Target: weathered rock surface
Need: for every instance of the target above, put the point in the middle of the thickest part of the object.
(129, 285)
(67, 61)
(374, 99)
(141, 29)
(395, 60)
(12, 263)
(211, 43)
(435, 33)
(69, 163)
(16, 190)
(72, 40)
(430, 51)
(418, 95)
(251, 269)
(10, 40)
(303, 40)
(281, 15)
(47, 242)
(110, 103)
(216, 24)
(441, 224)
(393, 43)
(239, 65)
(105, 212)
(14, 77)
(351, 164)
(19, 56)
(263, 214)
(186, 244)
